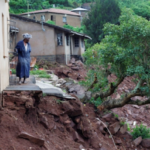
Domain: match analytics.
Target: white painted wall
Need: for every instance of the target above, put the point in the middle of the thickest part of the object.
(4, 56)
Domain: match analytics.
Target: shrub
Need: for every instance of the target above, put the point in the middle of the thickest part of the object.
(142, 131)
(13, 71)
(96, 102)
(50, 22)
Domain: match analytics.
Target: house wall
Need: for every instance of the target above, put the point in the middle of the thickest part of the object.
(82, 13)
(58, 18)
(4, 57)
(42, 42)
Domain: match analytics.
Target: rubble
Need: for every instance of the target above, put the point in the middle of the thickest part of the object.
(146, 143)
(137, 141)
(31, 138)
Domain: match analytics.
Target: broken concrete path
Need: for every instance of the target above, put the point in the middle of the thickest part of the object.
(51, 90)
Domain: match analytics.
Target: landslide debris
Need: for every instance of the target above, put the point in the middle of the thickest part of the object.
(51, 123)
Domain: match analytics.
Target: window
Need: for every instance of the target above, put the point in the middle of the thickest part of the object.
(3, 35)
(82, 43)
(52, 18)
(64, 19)
(43, 18)
(34, 17)
(59, 39)
(67, 40)
(76, 41)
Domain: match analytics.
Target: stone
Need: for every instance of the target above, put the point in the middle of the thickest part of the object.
(118, 141)
(77, 119)
(81, 147)
(31, 138)
(53, 77)
(79, 63)
(44, 122)
(137, 141)
(73, 60)
(78, 90)
(123, 129)
(73, 108)
(75, 68)
(107, 117)
(146, 143)
(95, 141)
(114, 128)
(136, 106)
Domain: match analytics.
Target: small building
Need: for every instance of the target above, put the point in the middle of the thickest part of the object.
(4, 55)
(50, 42)
(81, 11)
(59, 16)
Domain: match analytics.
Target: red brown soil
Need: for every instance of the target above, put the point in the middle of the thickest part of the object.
(68, 125)
(131, 113)
(75, 69)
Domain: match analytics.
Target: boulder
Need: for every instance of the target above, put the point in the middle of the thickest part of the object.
(123, 129)
(108, 117)
(73, 107)
(114, 128)
(31, 138)
(146, 143)
(85, 126)
(95, 141)
(78, 90)
(137, 141)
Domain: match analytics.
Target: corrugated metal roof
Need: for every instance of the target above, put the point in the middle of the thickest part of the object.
(79, 9)
(53, 10)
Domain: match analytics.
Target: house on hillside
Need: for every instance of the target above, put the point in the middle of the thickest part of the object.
(59, 16)
(50, 42)
(81, 11)
(4, 55)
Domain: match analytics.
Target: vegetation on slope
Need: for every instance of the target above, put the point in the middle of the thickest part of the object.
(123, 52)
(101, 13)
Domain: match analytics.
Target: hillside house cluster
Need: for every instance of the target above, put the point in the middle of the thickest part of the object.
(59, 16)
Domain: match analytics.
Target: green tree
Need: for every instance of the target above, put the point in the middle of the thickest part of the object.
(102, 11)
(140, 7)
(125, 51)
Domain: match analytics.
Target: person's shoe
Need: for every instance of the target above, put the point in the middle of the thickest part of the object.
(20, 82)
(23, 82)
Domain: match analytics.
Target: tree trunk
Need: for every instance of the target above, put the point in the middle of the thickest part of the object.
(114, 103)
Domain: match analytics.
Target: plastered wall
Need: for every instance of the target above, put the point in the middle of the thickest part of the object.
(4, 57)
(71, 20)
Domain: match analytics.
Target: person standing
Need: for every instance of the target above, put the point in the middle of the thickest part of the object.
(23, 49)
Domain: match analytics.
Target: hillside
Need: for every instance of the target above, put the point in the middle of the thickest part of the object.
(21, 6)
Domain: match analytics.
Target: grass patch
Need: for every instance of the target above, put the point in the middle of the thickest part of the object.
(40, 73)
(13, 71)
(142, 131)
